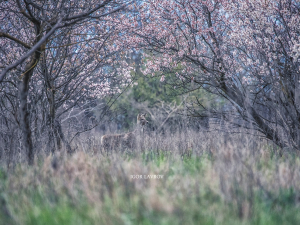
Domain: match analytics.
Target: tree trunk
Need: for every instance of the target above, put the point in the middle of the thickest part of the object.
(24, 112)
(61, 137)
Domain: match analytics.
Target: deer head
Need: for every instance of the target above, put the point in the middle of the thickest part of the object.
(141, 119)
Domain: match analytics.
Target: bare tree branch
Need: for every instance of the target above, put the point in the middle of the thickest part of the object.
(2, 34)
(31, 51)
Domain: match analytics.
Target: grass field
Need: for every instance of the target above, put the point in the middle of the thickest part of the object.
(222, 183)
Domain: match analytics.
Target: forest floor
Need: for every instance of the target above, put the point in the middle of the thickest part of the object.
(233, 182)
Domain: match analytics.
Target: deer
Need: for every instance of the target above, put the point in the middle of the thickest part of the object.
(111, 142)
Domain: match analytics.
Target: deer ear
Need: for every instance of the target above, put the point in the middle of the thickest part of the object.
(138, 116)
(145, 114)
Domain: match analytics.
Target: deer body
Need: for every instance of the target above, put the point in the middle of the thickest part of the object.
(116, 141)
(111, 142)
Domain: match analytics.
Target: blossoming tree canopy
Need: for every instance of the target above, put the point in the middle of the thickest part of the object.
(56, 54)
(61, 50)
(245, 51)
(28, 25)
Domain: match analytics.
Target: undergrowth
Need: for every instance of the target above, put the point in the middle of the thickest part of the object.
(229, 186)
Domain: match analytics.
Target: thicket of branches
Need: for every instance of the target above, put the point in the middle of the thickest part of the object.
(58, 59)
(244, 51)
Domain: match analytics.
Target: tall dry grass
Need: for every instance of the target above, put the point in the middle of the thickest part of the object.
(208, 178)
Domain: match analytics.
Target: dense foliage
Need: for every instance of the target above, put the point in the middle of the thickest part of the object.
(60, 57)
(245, 51)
